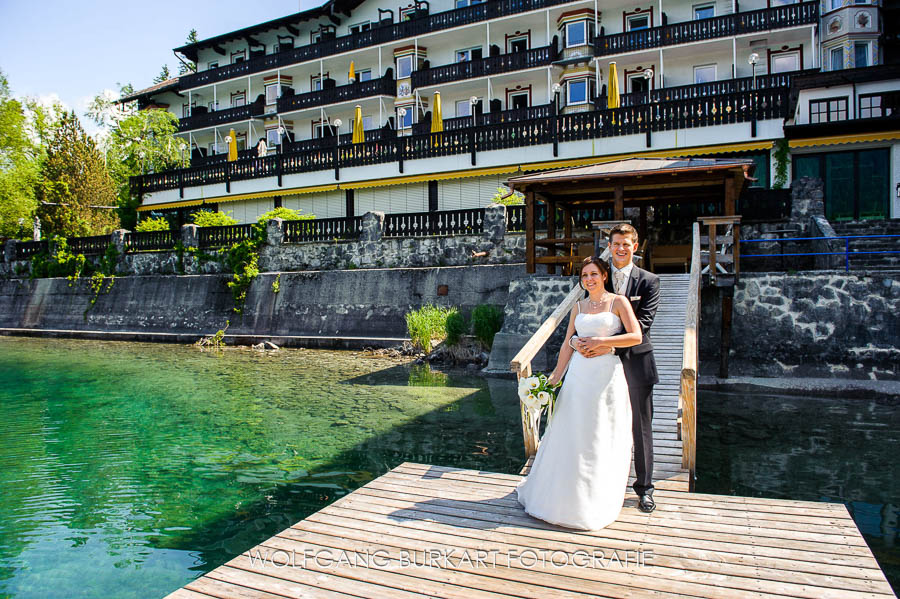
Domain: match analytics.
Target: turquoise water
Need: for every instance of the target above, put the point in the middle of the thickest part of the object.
(808, 448)
(127, 470)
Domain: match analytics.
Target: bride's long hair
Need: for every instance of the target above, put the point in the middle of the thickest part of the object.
(600, 264)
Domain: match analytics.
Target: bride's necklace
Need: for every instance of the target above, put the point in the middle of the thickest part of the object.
(595, 305)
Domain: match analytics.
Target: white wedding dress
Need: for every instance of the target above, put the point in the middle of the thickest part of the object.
(580, 472)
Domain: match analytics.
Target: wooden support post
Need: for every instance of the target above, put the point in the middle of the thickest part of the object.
(551, 233)
(567, 233)
(619, 210)
(736, 240)
(529, 232)
(725, 345)
(712, 253)
(733, 186)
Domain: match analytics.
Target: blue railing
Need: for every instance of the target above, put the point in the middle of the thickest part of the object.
(846, 252)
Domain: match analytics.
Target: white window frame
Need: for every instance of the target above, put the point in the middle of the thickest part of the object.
(243, 100)
(835, 4)
(468, 52)
(213, 149)
(584, 28)
(467, 107)
(705, 6)
(241, 140)
(630, 19)
(319, 130)
(778, 57)
(212, 106)
(240, 54)
(314, 81)
(868, 46)
(368, 122)
(831, 51)
(213, 65)
(360, 27)
(359, 75)
(277, 88)
(518, 38)
(587, 95)
(399, 61)
(715, 72)
(188, 109)
(510, 96)
(465, 3)
(272, 140)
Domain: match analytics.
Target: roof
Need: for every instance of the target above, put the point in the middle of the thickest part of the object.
(329, 9)
(630, 167)
(153, 89)
(826, 79)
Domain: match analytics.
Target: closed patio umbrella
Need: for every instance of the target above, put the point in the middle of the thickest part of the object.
(232, 146)
(352, 74)
(612, 100)
(437, 120)
(359, 135)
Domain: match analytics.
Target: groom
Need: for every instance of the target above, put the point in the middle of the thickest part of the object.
(642, 289)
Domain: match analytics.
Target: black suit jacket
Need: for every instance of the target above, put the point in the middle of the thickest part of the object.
(638, 361)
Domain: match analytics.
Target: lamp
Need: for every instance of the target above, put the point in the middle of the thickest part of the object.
(556, 88)
(337, 126)
(753, 59)
(648, 75)
(473, 101)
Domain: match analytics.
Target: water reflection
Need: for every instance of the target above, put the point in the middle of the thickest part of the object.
(808, 448)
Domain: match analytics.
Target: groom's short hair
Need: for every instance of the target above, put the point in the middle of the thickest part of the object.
(624, 229)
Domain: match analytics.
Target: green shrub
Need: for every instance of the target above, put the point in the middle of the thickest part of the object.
(456, 328)
(515, 199)
(284, 214)
(427, 324)
(207, 218)
(60, 262)
(487, 320)
(153, 224)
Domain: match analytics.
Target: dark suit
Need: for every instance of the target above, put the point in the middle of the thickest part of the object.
(642, 290)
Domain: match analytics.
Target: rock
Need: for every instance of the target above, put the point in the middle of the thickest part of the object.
(270, 345)
(259, 346)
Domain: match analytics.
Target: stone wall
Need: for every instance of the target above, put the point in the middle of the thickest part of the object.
(364, 303)
(828, 324)
(372, 250)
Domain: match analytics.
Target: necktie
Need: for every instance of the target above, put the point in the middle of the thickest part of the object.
(620, 280)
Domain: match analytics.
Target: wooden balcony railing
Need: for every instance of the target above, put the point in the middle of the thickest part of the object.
(202, 119)
(735, 107)
(217, 237)
(765, 19)
(377, 35)
(468, 221)
(489, 118)
(27, 249)
(384, 86)
(322, 229)
(144, 241)
(492, 65)
(93, 245)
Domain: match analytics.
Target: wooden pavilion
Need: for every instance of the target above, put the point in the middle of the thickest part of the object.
(635, 182)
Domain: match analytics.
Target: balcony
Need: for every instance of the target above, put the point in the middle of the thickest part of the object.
(377, 35)
(200, 118)
(776, 17)
(492, 65)
(493, 131)
(384, 86)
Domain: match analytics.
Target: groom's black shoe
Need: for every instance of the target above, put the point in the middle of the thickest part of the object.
(646, 503)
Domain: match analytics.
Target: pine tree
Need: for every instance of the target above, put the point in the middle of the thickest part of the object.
(74, 180)
(164, 75)
(191, 67)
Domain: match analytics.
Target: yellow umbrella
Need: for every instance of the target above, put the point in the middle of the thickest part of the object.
(612, 100)
(437, 121)
(359, 135)
(232, 146)
(352, 74)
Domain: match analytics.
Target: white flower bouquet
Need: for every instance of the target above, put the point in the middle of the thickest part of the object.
(535, 396)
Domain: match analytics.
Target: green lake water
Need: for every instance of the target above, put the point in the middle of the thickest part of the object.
(812, 449)
(127, 470)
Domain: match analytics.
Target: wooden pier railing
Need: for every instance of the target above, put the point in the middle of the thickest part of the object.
(687, 398)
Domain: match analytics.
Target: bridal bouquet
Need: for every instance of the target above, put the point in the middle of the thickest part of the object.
(536, 395)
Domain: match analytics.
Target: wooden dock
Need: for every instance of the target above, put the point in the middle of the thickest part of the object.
(438, 519)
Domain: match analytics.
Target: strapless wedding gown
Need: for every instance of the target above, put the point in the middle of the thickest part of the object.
(580, 472)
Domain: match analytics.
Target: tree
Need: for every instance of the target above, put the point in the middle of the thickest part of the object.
(19, 160)
(75, 185)
(190, 67)
(164, 75)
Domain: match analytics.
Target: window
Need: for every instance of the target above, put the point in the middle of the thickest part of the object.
(704, 11)
(212, 106)
(517, 44)
(272, 137)
(238, 56)
(576, 92)
(406, 121)
(517, 100)
(637, 83)
(360, 27)
(315, 82)
(407, 13)
(321, 130)
(241, 141)
(576, 34)
(273, 92)
(837, 59)
(861, 54)
(705, 74)
(213, 65)
(464, 108)
(468, 54)
(314, 36)
(828, 110)
(364, 75)
(186, 109)
(238, 99)
(871, 106)
(404, 66)
(784, 63)
(835, 4)
(638, 22)
(213, 149)
(368, 123)
(464, 3)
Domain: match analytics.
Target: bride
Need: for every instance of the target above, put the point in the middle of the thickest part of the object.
(580, 472)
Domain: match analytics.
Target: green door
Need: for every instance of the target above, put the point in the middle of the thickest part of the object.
(874, 183)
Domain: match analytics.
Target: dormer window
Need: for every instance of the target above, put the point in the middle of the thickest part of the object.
(404, 66)
(576, 92)
(576, 33)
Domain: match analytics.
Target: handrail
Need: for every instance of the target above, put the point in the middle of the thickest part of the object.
(687, 397)
(521, 363)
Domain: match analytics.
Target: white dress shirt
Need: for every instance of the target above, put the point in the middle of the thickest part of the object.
(626, 271)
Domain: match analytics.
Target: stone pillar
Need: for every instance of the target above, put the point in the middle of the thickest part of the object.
(9, 251)
(372, 226)
(117, 238)
(495, 223)
(807, 199)
(190, 236)
(275, 232)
